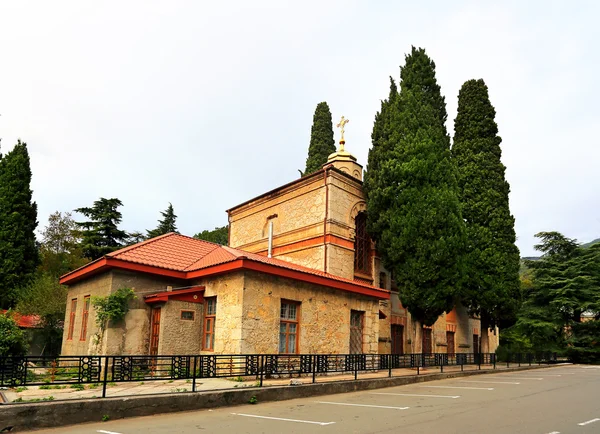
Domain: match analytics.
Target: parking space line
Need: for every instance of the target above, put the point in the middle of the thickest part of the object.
(554, 432)
(414, 394)
(107, 432)
(362, 405)
(490, 382)
(587, 422)
(521, 378)
(459, 387)
(282, 419)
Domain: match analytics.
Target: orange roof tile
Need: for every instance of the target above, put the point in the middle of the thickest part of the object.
(24, 321)
(184, 254)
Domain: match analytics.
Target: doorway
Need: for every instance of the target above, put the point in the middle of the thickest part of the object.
(154, 331)
(397, 339)
(427, 344)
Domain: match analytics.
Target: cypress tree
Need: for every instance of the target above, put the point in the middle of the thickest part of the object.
(492, 289)
(19, 255)
(100, 235)
(412, 203)
(321, 139)
(166, 225)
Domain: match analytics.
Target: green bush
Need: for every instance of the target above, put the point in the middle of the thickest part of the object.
(13, 341)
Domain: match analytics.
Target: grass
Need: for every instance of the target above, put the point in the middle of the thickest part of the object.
(52, 386)
(77, 386)
(47, 398)
(20, 389)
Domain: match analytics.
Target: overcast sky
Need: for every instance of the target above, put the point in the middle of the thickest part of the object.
(208, 104)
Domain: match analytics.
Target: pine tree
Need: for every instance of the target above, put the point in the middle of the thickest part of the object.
(321, 139)
(19, 255)
(412, 203)
(166, 225)
(100, 234)
(492, 289)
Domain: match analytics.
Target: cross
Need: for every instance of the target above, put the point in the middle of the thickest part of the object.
(341, 126)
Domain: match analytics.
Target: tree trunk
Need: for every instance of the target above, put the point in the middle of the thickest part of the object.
(417, 344)
(485, 330)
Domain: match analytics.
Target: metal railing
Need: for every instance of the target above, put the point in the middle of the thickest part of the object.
(103, 370)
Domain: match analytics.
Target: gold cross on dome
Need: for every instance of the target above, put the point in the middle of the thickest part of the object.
(341, 126)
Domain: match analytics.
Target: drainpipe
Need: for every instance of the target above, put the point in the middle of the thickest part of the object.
(270, 253)
(325, 220)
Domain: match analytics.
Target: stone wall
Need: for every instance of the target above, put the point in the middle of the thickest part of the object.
(177, 335)
(229, 290)
(99, 285)
(324, 316)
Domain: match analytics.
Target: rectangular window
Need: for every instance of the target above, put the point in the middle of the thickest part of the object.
(72, 318)
(356, 331)
(209, 323)
(288, 327)
(84, 318)
(187, 315)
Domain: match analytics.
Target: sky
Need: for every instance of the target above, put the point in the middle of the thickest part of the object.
(207, 104)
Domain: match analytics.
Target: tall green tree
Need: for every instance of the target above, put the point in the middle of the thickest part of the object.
(101, 235)
(565, 282)
(166, 225)
(412, 202)
(217, 235)
(321, 139)
(492, 289)
(19, 255)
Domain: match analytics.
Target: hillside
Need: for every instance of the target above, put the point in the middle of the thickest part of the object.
(591, 243)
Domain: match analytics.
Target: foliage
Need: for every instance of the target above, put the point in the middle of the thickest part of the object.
(565, 285)
(492, 288)
(44, 296)
(13, 341)
(113, 307)
(100, 234)
(322, 143)
(411, 191)
(166, 225)
(217, 235)
(19, 256)
(60, 249)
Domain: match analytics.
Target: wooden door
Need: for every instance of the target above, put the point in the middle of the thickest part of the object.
(426, 341)
(450, 342)
(397, 339)
(476, 344)
(154, 331)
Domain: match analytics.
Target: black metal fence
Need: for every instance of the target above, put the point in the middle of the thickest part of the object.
(103, 370)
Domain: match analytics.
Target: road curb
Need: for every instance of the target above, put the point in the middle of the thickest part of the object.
(23, 417)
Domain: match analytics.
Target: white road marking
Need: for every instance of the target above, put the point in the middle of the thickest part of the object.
(413, 394)
(362, 405)
(521, 378)
(459, 387)
(554, 432)
(282, 419)
(490, 382)
(107, 432)
(587, 422)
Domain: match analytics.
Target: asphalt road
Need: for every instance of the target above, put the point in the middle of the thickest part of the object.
(561, 399)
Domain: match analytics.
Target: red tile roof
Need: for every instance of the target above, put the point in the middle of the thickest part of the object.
(24, 321)
(184, 255)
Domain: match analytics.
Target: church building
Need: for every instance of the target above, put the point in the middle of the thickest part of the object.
(300, 275)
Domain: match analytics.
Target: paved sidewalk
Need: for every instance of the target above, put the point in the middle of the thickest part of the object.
(53, 392)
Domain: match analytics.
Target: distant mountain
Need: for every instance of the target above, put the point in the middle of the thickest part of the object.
(591, 243)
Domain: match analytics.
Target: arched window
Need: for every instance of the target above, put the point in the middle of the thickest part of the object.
(362, 245)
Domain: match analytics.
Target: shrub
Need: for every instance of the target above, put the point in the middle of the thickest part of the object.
(13, 341)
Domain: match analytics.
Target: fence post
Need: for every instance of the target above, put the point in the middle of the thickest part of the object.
(519, 359)
(314, 368)
(508, 360)
(479, 360)
(355, 367)
(494, 361)
(105, 376)
(389, 357)
(194, 374)
(262, 369)
(441, 359)
(462, 364)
